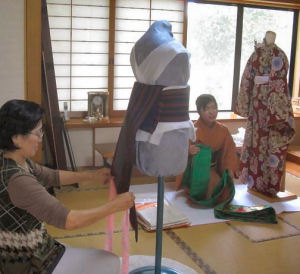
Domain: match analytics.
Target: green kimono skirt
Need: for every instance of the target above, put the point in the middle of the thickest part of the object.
(197, 177)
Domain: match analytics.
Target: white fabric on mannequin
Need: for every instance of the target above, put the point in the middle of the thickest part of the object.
(148, 72)
(158, 59)
(156, 62)
(163, 127)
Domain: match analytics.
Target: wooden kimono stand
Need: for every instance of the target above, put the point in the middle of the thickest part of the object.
(158, 268)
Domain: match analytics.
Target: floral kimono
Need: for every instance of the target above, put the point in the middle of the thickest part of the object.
(264, 99)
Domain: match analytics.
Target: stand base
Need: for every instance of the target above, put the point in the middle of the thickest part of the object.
(281, 196)
(151, 270)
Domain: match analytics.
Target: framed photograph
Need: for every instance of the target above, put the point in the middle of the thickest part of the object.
(97, 104)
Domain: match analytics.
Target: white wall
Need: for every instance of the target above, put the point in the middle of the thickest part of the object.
(11, 50)
(105, 135)
(82, 144)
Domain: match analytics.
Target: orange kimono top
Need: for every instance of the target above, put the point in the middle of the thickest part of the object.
(219, 139)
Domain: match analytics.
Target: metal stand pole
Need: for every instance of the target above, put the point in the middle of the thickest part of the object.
(159, 223)
(158, 269)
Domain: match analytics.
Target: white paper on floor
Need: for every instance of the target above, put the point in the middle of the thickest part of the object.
(199, 215)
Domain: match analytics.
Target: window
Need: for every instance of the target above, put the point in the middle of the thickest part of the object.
(255, 24)
(79, 38)
(92, 41)
(211, 41)
(82, 45)
(133, 18)
(214, 40)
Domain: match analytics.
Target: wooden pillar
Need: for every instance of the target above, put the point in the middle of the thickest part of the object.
(296, 86)
(33, 56)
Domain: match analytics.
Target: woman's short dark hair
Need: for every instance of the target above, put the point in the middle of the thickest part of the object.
(203, 100)
(17, 117)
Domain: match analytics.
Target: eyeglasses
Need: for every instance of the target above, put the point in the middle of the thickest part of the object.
(38, 134)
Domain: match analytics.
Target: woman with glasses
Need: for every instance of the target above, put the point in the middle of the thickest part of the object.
(25, 245)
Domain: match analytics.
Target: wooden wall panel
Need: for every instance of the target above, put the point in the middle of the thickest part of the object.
(33, 56)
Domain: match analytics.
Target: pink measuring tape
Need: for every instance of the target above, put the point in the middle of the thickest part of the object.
(125, 231)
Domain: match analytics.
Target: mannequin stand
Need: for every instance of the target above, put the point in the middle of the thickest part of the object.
(158, 268)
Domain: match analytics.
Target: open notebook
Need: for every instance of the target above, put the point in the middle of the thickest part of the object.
(146, 213)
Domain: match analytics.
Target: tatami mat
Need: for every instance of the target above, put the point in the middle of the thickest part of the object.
(222, 248)
(84, 199)
(264, 232)
(228, 252)
(145, 246)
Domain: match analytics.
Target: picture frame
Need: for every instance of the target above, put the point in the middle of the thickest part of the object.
(97, 104)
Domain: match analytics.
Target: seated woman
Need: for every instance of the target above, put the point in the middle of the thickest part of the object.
(215, 142)
(25, 245)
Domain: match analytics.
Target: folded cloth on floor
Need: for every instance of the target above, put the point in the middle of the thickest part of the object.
(259, 214)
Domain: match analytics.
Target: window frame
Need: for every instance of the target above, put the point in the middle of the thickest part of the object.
(32, 35)
(238, 41)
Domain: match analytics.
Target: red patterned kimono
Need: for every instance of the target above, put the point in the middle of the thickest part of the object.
(265, 100)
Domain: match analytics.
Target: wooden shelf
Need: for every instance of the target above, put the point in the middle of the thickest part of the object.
(105, 122)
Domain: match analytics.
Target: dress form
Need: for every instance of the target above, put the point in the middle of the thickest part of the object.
(158, 59)
(264, 84)
(270, 37)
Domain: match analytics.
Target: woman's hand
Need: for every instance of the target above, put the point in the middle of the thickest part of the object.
(81, 218)
(123, 201)
(193, 149)
(101, 175)
(70, 177)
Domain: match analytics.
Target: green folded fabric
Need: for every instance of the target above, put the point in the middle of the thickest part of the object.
(196, 178)
(259, 214)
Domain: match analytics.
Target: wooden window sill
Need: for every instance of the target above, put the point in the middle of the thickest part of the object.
(106, 122)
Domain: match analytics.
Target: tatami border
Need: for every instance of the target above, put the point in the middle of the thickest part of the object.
(190, 252)
(266, 239)
(288, 223)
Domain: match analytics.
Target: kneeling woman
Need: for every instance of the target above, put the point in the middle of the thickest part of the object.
(212, 154)
(25, 246)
